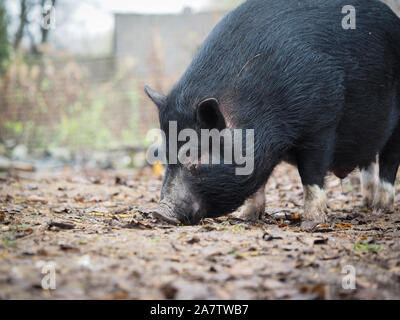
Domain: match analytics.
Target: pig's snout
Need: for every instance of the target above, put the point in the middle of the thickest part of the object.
(166, 212)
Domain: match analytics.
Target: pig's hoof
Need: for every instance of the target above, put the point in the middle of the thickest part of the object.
(384, 198)
(368, 185)
(166, 218)
(315, 207)
(368, 196)
(317, 216)
(250, 215)
(254, 207)
(251, 212)
(164, 213)
(368, 202)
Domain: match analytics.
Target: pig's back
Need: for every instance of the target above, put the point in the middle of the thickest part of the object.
(277, 42)
(275, 60)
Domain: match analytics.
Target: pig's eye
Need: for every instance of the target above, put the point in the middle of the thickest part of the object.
(192, 167)
(209, 115)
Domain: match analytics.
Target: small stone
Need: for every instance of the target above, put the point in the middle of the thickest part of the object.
(32, 187)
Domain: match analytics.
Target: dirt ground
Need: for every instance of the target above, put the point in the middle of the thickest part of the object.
(93, 230)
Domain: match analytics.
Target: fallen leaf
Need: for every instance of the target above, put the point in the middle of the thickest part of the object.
(268, 237)
(321, 241)
(61, 225)
(67, 247)
(194, 240)
(134, 224)
(344, 226)
(158, 169)
(169, 291)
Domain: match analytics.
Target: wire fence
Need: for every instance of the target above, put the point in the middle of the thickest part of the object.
(92, 103)
(76, 103)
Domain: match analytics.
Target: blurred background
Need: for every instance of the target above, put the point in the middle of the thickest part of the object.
(72, 74)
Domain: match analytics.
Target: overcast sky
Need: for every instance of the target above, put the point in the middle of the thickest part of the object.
(78, 21)
(96, 16)
(151, 6)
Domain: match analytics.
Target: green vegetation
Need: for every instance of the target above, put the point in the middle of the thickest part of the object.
(85, 126)
(28, 131)
(364, 246)
(8, 242)
(233, 252)
(82, 127)
(45, 109)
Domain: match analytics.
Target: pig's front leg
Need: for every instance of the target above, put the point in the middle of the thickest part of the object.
(369, 181)
(254, 207)
(315, 206)
(313, 163)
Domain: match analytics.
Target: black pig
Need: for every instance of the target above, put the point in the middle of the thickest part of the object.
(322, 96)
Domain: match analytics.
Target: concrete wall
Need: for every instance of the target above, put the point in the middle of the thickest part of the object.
(164, 45)
(394, 4)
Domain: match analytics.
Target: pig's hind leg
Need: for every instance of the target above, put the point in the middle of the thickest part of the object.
(254, 207)
(389, 160)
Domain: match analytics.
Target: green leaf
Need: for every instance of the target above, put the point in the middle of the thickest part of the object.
(364, 246)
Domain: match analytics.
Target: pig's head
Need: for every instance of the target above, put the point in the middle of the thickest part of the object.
(193, 191)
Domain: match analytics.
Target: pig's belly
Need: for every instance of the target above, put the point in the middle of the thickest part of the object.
(360, 136)
(342, 172)
(348, 156)
(357, 153)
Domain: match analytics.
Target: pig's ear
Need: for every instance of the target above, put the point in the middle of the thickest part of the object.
(209, 115)
(159, 99)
